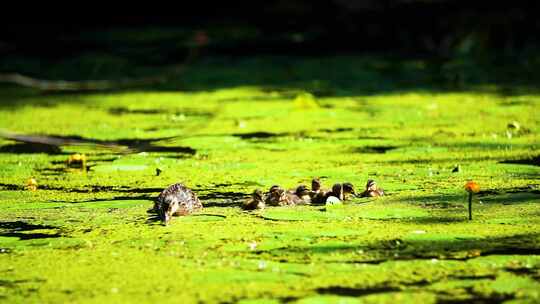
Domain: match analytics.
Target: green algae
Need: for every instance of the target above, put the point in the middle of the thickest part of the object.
(93, 241)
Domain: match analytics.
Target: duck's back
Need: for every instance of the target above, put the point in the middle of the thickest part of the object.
(187, 199)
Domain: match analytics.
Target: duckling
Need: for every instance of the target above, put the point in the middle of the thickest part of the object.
(372, 190)
(316, 185)
(336, 193)
(299, 196)
(176, 200)
(276, 196)
(255, 202)
(318, 195)
(304, 193)
(348, 190)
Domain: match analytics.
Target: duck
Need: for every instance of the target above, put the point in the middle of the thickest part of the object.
(299, 196)
(372, 190)
(276, 196)
(256, 201)
(176, 200)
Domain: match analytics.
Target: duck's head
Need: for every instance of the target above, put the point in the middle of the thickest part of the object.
(168, 208)
(315, 184)
(348, 188)
(337, 191)
(302, 190)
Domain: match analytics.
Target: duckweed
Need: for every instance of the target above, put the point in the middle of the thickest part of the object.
(85, 236)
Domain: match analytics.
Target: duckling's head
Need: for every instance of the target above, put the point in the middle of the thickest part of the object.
(257, 195)
(275, 188)
(348, 188)
(337, 191)
(302, 190)
(276, 193)
(371, 185)
(257, 200)
(168, 207)
(315, 184)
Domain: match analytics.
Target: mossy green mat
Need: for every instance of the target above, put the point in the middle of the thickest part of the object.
(86, 237)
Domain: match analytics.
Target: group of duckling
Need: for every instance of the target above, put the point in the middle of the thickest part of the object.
(177, 199)
(301, 195)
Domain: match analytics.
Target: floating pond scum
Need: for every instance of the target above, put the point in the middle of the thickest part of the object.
(86, 236)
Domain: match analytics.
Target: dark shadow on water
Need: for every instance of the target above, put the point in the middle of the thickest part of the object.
(51, 144)
(60, 167)
(472, 295)
(533, 161)
(263, 135)
(223, 198)
(11, 187)
(123, 111)
(259, 135)
(336, 130)
(31, 148)
(525, 271)
(453, 248)
(30, 236)
(13, 283)
(87, 189)
(118, 198)
(355, 292)
(24, 226)
(209, 215)
(142, 190)
(374, 149)
(455, 203)
(92, 159)
(19, 228)
(153, 218)
(241, 184)
(119, 111)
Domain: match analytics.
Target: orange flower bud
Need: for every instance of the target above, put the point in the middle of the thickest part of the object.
(471, 186)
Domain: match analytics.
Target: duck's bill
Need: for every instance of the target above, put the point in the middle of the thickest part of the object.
(164, 217)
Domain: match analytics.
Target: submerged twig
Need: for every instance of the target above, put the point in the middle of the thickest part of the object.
(61, 141)
(90, 85)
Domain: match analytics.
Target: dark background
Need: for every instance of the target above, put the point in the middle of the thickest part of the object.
(436, 28)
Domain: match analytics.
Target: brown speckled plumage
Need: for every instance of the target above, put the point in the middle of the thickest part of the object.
(177, 200)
